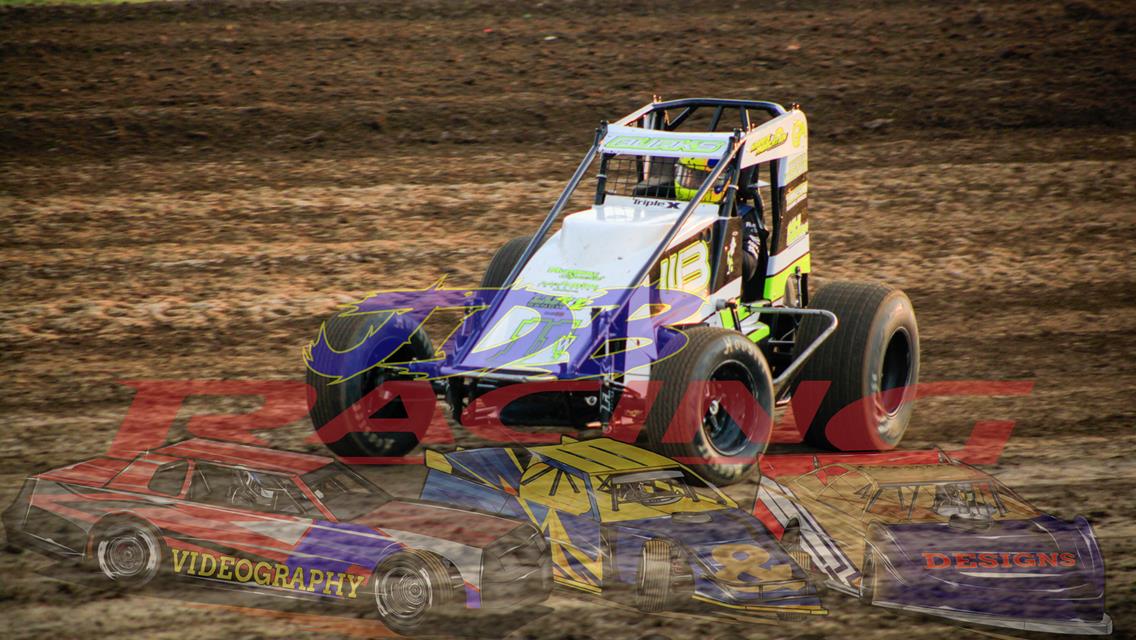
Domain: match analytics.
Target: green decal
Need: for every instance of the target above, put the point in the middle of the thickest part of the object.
(768, 142)
(758, 334)
(575, 274)
(647, 143)
(775, 284)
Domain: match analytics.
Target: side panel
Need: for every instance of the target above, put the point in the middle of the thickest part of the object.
(444, 488)
(777, 506)
(789, 243)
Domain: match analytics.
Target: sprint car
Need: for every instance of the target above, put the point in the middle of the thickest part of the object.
(702, 197)
(630, 524)
(278, 523)
(940, 539)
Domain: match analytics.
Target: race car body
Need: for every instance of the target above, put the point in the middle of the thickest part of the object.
(677, 256)
(280, 523)
(622, 518)
(941, 539)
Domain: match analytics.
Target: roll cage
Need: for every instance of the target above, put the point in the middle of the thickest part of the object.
(650, 131)
(654, 117)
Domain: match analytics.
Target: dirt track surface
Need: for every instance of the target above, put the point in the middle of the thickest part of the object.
(187, 189)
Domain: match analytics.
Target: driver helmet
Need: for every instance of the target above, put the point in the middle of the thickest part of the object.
(255, 489)
(690, 173)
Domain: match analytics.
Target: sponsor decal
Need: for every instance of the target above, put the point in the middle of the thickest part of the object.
(775, 139)
(1004, 560)
(648, 143)
(542, 301)
(646, 202)
(800, 133)
(796, 194)
(796, 228)
(798, 166)
(265, 574)
(575, 274)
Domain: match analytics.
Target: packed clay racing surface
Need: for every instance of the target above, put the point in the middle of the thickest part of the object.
(187, 190)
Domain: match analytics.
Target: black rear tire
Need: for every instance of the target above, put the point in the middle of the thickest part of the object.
(334, 398)
(712, 354)
(872, 362)
(503, 262)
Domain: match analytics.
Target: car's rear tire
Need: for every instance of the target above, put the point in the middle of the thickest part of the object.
(129, 553)
(331, 399)
(872, 362)
(503, 262)
(704, 432)
(659, 586)
(412, 589)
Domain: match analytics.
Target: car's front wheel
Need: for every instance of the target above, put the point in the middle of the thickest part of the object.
(128, 553)
(714, 406)
(411, 589)
(503, 261)
(338, 399)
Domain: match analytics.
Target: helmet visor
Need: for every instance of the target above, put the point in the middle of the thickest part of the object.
(689, 176)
